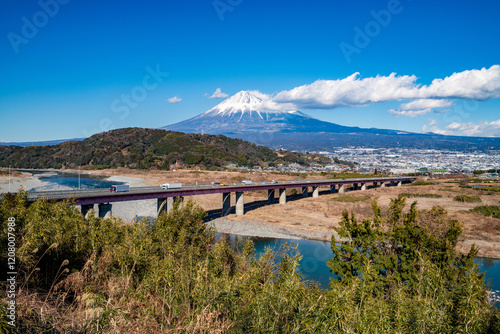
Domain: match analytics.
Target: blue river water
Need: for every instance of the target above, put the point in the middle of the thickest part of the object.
(314, 254)
(71, 180)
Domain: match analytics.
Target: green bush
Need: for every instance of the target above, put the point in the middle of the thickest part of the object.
(487, 210)
(351, 199)
(394, 262)
(421, 183)
(495, 189)
(450, 190)
(410, 195)
(467, 199)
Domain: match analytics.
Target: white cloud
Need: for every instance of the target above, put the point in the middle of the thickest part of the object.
(432, 122)
(409, 113)
(352, 91)
(481, 129)
(218, 94)
(421, 107)
(174, 99)
(483, 84)
(425, 104)
(453, 126)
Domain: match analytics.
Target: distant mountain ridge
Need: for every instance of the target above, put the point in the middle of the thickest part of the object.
(151, 149)
(255, 117)
(39, 143)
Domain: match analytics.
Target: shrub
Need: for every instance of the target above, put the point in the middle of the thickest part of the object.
(351, 199)
(410, 195)
(405, 262)
(421, 183)
(450, 190)
(487, 210)
(467, 199)
(495, 189)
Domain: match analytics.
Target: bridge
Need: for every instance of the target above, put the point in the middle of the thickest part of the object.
(166, 197)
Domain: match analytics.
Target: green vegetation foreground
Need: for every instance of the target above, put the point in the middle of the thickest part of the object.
(398, 274)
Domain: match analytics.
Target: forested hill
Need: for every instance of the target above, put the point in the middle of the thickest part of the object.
(150, 149)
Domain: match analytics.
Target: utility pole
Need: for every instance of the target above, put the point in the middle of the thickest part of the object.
(9, 178)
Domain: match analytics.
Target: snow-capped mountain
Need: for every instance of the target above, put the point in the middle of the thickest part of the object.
(255, 117)
(249, 111)
(248, 102)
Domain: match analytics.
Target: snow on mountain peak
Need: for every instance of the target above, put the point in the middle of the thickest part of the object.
(249, 102)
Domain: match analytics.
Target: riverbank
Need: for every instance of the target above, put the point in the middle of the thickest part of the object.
(26, 181)
(261, 229)
(34, 180)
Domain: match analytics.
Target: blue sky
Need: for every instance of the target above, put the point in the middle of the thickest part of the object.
(68, 65)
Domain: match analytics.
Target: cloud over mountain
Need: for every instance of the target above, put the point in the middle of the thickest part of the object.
(353, 91)
(480, 129)
(420, 107)
(218, 94)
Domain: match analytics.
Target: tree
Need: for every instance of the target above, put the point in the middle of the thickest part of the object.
(402, 259)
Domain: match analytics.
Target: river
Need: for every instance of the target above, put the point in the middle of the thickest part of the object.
(73, 181)
(315, 254)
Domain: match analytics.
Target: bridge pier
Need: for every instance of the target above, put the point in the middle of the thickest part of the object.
(382, 184)
(86, 208)
(333, 189)
(270, 196)
(305, 192)
(363, 186)
(105, 210)
(161, 206)
(164, 205)
(341, 189)
(226, 204)
(240, 203)
(400, 183)
(282, 196)
(180, 200)
(315, 191)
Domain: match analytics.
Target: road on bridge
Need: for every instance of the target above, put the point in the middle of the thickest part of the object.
(94, 196)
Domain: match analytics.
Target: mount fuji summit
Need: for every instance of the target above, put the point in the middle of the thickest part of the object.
(248, 113)
(253, 116)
